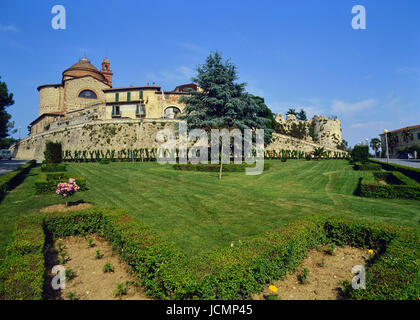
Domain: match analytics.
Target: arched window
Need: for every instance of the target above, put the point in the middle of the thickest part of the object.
(88, 94)
(171, 113)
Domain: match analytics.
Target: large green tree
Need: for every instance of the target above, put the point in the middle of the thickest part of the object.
(6, 100)
(223, 103)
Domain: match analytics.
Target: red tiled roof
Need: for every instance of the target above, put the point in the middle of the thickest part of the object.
(406, 128)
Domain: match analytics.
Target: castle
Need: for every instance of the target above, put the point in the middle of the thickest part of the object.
(84, 112)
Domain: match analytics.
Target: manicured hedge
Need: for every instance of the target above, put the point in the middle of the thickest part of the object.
(367, 166)
(398, 187)
(47, 181)
(413, 173)
(226, 273)
(53, 153)
(216, 167)
(53, 167)
(11, 179)
(360, 153)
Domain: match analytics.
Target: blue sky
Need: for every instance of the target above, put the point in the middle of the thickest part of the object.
(301, 54)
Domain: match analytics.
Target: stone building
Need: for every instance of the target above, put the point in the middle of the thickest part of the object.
(86, 93)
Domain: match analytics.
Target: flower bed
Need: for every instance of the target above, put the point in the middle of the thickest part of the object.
(47, 181)
(233, 272)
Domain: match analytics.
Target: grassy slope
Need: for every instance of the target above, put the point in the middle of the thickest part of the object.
(198, 212)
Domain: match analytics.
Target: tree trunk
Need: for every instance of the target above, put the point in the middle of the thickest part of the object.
(221, 164)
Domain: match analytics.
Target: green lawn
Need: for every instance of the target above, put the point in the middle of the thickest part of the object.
(197, 212)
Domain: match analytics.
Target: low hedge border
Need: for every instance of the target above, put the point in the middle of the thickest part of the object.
(400, 187)
(53, 167)
(367, 166)
(47, 181)
(412, 173)
(226, 273)
(216, 167)
(11, 179)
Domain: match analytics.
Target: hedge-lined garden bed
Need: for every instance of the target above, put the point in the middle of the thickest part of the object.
(9, 180)
(215, 167)
(366, 166)
(47, 181)
(412, 173)
(389, 184)
(227, 273)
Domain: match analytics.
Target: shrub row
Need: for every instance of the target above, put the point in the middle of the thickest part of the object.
(398, 186)
(142, 154)
(47, 181)
(11, 179)
(215, 167)
(413, 173)
(53, 167)
(295, 154)
(226, 273)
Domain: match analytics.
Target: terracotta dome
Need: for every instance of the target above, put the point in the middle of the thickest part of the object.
(81, 69)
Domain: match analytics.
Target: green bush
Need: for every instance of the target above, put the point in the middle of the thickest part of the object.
(360, 153)
(53, 152)
(53, 167)
(225, 273)
(47, 181)
(11, 179)
(413, 173)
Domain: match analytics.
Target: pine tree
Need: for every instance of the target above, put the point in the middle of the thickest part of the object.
(223, 103)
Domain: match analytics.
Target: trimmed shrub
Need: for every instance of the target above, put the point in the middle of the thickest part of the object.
(53, 152)
(360, 153)
(53, 167)
(104, 161)
(367, 166)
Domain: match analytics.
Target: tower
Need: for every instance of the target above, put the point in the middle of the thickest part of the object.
(106, 72)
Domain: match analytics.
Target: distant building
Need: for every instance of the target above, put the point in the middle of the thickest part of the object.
(401, 139)
(86, 93)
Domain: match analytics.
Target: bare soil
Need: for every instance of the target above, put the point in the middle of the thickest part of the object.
(62, 207)
(90, 281)
(326, 273)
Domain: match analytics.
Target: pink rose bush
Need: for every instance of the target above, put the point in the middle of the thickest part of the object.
(67, 189)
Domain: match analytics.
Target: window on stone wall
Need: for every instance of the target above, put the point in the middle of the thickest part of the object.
(88, 94)
(128, 96)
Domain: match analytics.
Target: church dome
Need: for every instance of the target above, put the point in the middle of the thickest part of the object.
(83, 68)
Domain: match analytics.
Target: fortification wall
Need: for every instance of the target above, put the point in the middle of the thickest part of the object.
(281, 141)
(94, 135)
(121, 134)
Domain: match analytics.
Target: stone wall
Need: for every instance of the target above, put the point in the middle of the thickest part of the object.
(281, 141)
(94, 135)
(124, 133)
